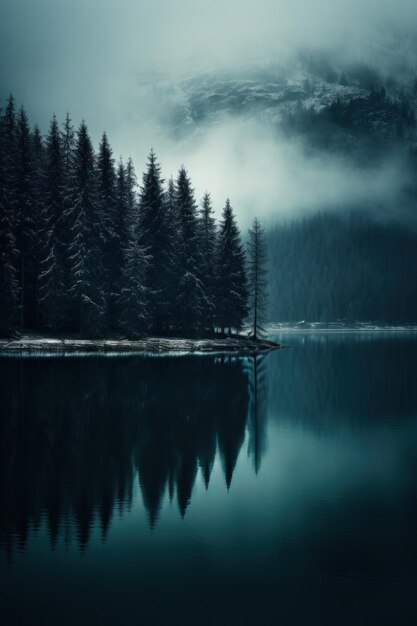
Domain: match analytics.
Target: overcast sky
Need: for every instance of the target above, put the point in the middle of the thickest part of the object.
(87, 56)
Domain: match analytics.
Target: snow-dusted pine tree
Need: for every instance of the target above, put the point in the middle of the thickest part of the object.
(133, 303)
(132, 202)
(191, 299)
(85, 246)
(38, 156)
(134, 318)
(231, 287)
(111, 244)
(173, 240)
(9, 286)
(154, 236)
(26, 221)
(208, 236)
(68, 146)
(257, 277)
(53, 300)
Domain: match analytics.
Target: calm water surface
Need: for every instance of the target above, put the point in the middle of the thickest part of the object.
(211, 490)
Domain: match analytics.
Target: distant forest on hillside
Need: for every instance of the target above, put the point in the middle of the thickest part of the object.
(331, 267)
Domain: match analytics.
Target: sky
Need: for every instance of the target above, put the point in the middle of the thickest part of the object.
(89, 57)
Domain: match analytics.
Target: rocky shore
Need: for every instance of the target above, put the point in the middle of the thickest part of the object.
(27, 345)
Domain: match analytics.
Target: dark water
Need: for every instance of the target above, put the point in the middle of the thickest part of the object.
(208, 490)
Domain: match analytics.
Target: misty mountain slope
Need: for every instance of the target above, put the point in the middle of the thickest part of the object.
(309, 96)
(328, 267)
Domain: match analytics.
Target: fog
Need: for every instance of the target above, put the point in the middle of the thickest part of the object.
(91, 57)
(275, 177)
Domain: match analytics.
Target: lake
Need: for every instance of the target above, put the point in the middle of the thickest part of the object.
(212, 489)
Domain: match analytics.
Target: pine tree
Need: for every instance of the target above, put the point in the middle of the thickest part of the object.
(126, 224)
(53, 288)
(86, 271)
(154, 236)
(134, 316)
(231, 287)
(122, 205)
(133, 307)
(208, 249)
(257, 273)
(9, 151)
(132, 215)
(173, 275)
(68, 146)
(38, 156)
(9, 286)
(27, 221)
(112, 252)
(127, 211)
(191, 301)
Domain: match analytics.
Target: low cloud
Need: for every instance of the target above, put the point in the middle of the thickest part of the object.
(87, 57)
(276, 178)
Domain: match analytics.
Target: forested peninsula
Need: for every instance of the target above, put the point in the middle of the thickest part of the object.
(89, 258)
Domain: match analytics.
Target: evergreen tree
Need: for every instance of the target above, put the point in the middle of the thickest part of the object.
(68, 146)
(191, 300)
(38, 156)
(127, 211)
(231, 288)
(112, 252)
(9, 152)
(122, 205)
(208, 249)
(53, 284)
(171, 211)
(9, 286)
(134, 316)
(132, 214)
(154, 236)
(126, 224)
(86, 270)
(134, 311)
(257, 277)
(26, 222)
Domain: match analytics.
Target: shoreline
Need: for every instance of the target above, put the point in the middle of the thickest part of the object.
(29, 345)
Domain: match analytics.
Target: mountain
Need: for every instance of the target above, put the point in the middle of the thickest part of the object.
(347, 107)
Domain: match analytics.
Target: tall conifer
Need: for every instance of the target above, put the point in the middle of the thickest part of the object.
(38, 156)
(191, 300)
(26, 221)
(208, 250)
(155, 238)
(231, 289)
(9, 285)
(257, 277)
(111, 243)
(53, 285)
(134, 294)
(86, 269)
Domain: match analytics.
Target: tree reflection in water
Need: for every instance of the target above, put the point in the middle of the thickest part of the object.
(76, 433)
